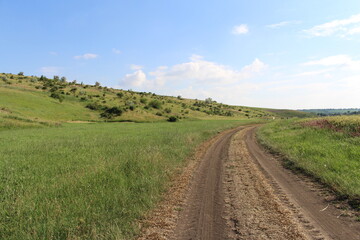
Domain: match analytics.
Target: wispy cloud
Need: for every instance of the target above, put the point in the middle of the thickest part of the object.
(340, 27)
(50, 71)
(116, 51)
(240, 29)
(341, 61)
(283, 24)
(86, 56)
(136, 67)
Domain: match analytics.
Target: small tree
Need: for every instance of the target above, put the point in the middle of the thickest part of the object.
(120, 94)
(208, 100)
(21, 73)
(97, 84)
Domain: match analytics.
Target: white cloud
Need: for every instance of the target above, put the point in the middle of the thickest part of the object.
(240, 29)
(136, 79)
(343, 61)
(50, 71)
(341, 28)
(197, 72)
(205, 72)
(116, 51)
(86, 56)
(136, 67)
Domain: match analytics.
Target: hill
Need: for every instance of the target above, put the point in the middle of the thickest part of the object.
(31, 100)
(333, 112)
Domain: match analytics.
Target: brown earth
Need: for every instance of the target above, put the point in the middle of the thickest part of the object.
(235, 190)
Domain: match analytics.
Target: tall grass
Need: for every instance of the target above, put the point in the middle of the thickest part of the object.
(332, 156)
(90, 181)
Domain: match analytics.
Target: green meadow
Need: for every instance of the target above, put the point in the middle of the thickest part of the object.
(90, 180)
(325, 148)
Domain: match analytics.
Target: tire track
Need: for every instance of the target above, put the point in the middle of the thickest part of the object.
(238, 191)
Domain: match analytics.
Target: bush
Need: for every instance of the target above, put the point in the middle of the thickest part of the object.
(94, 106)
(109, 113)
(172, 119)
(120, 94)
(143, 100)
(57, 96)
(155, 104)
(167, 110)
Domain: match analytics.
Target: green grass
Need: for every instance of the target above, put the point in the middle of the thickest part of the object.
(331, 156)
(29, 97)
(90, 181)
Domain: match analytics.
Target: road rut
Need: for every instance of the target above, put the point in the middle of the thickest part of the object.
(240, 192)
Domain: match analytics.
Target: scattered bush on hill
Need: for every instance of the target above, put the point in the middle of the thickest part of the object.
(110, 113)
(172, 119)
(57, 96)
(155, 104)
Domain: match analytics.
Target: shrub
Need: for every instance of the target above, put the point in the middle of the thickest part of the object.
(21, 73)
(57, 96)
(111, 112)
(120, 94)
(155, 104)
(172, 119)
(158, 114)
(143, 100)
(167, 110)
(94, 106)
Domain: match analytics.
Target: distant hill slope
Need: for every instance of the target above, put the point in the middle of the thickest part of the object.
(333, 112)
(31, 99)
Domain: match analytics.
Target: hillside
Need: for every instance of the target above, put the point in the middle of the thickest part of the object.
(333, 112)
(29, 100)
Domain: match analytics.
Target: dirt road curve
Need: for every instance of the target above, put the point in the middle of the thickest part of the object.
(240, 192)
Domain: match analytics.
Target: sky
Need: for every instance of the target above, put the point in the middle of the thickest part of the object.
(261, 53)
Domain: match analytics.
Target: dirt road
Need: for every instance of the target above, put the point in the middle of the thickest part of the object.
(240, 192)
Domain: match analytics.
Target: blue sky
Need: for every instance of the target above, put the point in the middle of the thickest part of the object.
(280, 54)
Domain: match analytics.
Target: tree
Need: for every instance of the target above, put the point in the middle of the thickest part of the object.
(63, 79)
(21, 73)
(97, 84)
(208, 100)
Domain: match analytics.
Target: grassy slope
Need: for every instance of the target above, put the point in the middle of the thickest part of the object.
(331, 156)
(90, 181)
(26, 97)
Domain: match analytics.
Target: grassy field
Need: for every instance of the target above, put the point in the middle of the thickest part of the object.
(327, 148)
(90, 181)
